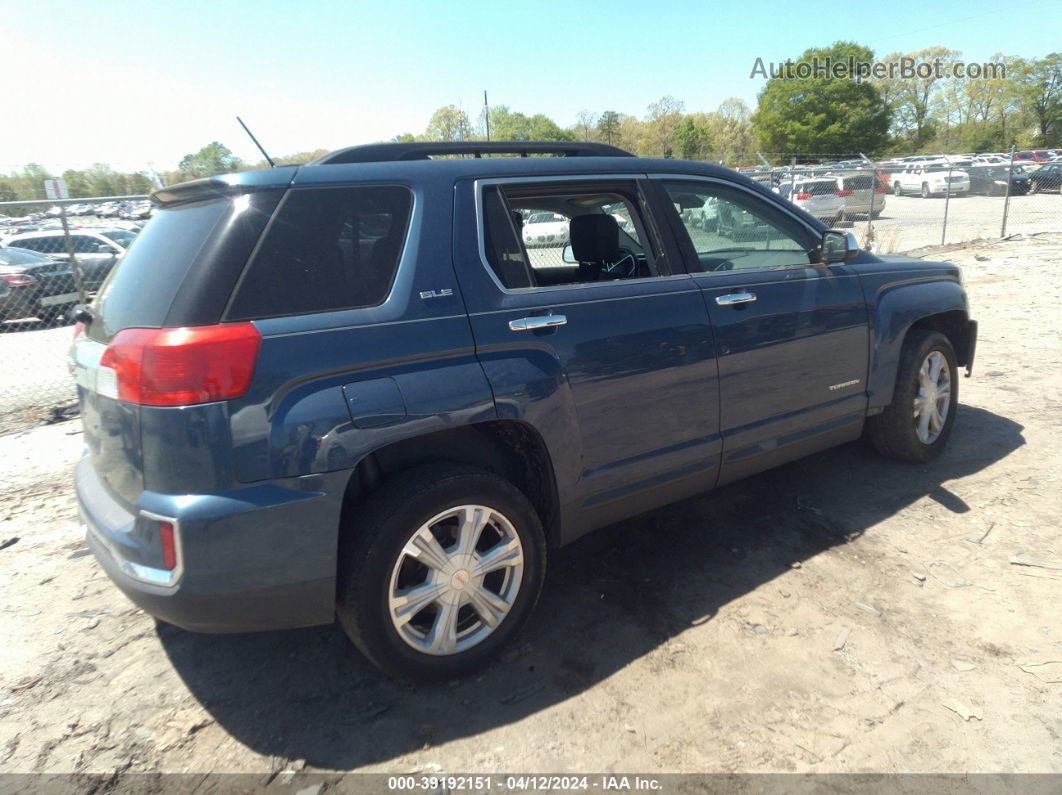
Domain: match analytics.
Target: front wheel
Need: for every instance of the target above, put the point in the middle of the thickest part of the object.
(439, 571)
(915, 427)
(896, 189)
(925, 191)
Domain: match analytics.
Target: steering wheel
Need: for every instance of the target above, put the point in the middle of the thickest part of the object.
(623, 268)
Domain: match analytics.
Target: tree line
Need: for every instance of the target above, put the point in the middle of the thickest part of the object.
(794, 117)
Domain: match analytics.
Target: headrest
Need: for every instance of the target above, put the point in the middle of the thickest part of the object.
(595, 238)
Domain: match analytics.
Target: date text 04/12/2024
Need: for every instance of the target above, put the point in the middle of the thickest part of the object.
(523, 783)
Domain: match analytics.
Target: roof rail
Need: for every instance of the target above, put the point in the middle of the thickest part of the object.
(379, 153)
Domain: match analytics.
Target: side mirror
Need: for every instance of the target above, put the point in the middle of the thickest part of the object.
(837, 246)
(568, 255)
(103, 248)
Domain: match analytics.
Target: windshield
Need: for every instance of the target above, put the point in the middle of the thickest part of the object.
(123, 237)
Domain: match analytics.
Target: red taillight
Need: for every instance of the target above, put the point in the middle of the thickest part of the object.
(182, 366)
(881, 189)
(18, 279)
(803, 196)
(843, 193)
(169, 546)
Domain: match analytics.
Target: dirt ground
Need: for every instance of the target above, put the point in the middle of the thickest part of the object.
(843, 613)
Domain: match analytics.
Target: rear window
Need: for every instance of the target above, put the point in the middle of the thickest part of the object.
(139, 291)
(862, 182)
(326, 249)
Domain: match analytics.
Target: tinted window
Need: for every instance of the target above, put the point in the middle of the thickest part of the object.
(138, 292)
(501, 243)
(87, 245)
(122, 237)
(326, 249)
(32, 244)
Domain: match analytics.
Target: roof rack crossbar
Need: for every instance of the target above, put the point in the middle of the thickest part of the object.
(380, 153)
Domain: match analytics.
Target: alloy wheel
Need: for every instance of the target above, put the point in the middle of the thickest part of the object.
(933, 401)
(455, 580)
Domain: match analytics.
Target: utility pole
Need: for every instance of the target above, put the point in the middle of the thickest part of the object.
(486, 113)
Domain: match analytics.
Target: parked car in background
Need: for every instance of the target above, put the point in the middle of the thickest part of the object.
(1047, 177)
(820, 197)
(705, 217)
(863, 194)
(34, 285)
(545, 229)
(932, 180)
(991, 180)
(96, 250)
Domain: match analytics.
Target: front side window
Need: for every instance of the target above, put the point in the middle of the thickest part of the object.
(731, 229)
(326, 249)
(538, 235)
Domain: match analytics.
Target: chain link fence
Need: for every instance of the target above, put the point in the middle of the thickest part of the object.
(54, 255)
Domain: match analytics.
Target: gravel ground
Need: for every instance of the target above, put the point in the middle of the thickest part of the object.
(843, 613)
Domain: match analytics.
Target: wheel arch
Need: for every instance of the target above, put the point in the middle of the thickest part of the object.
(511, 449)
(938, 306)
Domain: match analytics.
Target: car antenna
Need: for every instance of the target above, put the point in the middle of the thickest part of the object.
(260, 149)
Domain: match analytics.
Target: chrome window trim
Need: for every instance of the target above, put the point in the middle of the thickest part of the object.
(480, 184)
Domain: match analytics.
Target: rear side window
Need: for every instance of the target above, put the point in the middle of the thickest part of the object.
(138, 292)
(326, 249)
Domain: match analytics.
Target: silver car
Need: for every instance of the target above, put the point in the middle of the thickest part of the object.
(863, 194)
(819, 197)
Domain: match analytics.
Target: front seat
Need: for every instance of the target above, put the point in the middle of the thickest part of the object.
(595, 242)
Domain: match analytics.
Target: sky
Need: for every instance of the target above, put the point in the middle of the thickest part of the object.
(146, 82)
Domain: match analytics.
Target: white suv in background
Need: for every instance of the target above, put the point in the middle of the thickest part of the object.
(938, 179)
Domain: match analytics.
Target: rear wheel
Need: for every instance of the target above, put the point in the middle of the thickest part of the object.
(915, 427)
(443, 567)
(925, 190)
(1034, 186)
(896, 189)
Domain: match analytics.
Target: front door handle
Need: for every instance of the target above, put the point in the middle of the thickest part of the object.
(536, 322)
(730, 299)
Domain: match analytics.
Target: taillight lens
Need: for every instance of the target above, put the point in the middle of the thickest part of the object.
(182, 366)
(169, 546)
(18, 279)
(803, 196)
(881, 189)
(843, 193)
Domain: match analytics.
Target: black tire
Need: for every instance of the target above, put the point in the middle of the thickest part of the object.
(375, 539)
(896, 189)
(925, 190)
(876, 214)
(893, 431)
(1034, 186)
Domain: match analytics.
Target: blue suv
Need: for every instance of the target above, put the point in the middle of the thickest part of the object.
(352, 388)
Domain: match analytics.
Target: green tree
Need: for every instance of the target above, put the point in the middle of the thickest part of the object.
(694, 137)
(214, 158)
(663, 120)
(1038, 84)
(820, 115)
(586, 125)
(608, 124)
(448, 123)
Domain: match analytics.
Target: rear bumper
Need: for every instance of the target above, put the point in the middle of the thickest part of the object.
(257, 558)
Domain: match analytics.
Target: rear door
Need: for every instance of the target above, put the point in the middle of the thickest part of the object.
(792, 335)
(613, 362)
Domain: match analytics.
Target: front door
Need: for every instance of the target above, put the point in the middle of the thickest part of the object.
(589, 332)
(791, 333)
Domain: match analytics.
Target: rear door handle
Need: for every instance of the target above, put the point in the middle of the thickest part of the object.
(537, 322)
(730, 299)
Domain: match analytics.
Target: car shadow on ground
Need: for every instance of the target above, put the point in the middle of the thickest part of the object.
(609, 599)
